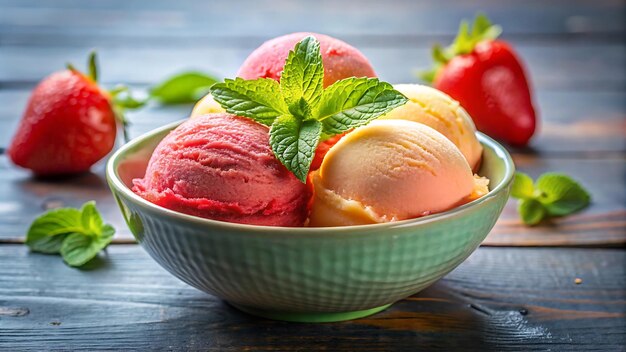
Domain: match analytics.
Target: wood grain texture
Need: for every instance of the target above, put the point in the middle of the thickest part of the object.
(499, 299)
(555, 64)
(167, 20)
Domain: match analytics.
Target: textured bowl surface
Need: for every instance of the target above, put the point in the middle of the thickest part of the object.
(307, 274)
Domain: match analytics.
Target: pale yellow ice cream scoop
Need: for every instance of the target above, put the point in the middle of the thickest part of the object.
(206, 105)
(389, 170)
(439, 111)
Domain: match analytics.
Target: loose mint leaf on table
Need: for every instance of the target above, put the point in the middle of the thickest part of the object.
(90, 219)
(522, 186)
(258, 99)
(553, 194)
(300, 111)
(531, 211)
(354, 102)
(186, 87)
(78, 249)
(78, 235)
(561, 195)
(47, 232)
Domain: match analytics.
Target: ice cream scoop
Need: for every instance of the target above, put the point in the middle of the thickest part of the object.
(206, 105)
(389, 170)
(221, 167)
(340, 59)
(439, 111)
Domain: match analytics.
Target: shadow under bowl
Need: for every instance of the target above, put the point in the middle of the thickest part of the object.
(307, 274)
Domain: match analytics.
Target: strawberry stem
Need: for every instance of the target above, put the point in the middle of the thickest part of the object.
(464, 43)
(123, 100)
(93, 66)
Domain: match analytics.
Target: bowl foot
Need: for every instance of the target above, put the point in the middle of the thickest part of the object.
(310, 317)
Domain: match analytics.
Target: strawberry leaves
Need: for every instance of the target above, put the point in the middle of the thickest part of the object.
(299, 111)
(93, 66)
(464, 43)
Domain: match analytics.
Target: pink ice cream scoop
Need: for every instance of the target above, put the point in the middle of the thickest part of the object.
(340, 59)
(220, 166)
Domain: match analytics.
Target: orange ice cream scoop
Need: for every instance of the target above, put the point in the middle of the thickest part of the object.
(439, 111)
(389, 170)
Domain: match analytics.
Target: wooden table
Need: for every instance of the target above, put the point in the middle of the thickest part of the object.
(517, 292)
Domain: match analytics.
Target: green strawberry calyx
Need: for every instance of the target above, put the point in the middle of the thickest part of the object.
(464, 43)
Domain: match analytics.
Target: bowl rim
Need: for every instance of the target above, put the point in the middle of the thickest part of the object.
(118, 186)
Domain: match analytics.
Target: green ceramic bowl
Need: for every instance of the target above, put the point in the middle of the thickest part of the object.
(307, 274)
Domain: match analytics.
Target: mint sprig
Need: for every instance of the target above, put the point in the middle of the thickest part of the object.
(464, 43)
(299, 111)
(77, 234)
(553, 194)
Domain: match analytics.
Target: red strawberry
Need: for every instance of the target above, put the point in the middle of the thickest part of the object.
(487, 77)
(69, 124)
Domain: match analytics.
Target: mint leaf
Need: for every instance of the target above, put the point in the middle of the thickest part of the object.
(522, 186)
(186, 87)
(78, 249)
(48, 231)
(294, 143)
(300, 109)
(303, 74)
(531, 211)
(553, 194)
(70, 232)
(561, 195)
(354, 102)
(258, 99)
(90, 219)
